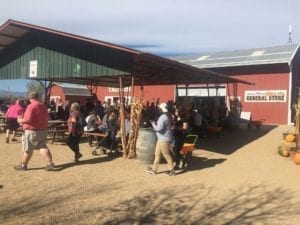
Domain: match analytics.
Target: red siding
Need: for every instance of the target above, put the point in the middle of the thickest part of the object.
(58, 91)
(164, 92)
(271, 112)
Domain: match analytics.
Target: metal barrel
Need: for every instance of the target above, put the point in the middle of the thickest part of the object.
(145, 145)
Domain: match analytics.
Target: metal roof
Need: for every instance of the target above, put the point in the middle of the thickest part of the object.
(73, 89)
(256, 56)
(65, 57)
(67, 85)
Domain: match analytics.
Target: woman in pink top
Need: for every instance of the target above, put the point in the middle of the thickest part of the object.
(14, 110)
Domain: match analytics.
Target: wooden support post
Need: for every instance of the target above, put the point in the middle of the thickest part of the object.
(132, 87)
(122, 117)
(47, 93)
(186, 89)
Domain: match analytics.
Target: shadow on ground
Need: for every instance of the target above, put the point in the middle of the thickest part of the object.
(230, 141)
(97, 160)
(63, 166)
(193, 205)
(39, 208)
(199, 163)
(177, 205)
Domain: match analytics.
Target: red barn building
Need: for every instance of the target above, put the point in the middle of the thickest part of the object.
(275, 71)
(69, 92)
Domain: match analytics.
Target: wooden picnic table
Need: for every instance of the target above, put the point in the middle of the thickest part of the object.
(56, 122)
(2, 118)
(2, 123)
(57, 128)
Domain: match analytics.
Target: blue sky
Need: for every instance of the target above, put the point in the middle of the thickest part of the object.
(164, 27)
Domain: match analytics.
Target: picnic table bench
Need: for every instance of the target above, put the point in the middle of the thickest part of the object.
(2, 123)
(57, 129)
(2, 126)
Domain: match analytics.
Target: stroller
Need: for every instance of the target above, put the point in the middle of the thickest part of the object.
(110, 141)
(187, 148)
(107, 143)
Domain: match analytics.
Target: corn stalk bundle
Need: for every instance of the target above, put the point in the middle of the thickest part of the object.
(297, 122)
(122, 128)
(135, 118)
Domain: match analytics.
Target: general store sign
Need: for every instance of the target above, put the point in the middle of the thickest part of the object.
(202, 91)
(266, 96)
(118, 89)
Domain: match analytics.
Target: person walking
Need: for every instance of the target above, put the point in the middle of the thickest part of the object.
(180, 132)
(35, 126)
(163, 129)
(75, 128)
(16, 109)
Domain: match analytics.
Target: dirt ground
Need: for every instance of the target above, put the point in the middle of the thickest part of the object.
(238, 178)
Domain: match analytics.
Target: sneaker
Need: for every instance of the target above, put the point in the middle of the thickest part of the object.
(170, 173)
(49, 167)
(14, 139)
(7, 140)
(77, 157)
(20, 167)
(176, 167)
(150, 171)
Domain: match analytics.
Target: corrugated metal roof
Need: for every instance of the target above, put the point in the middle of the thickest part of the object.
(77, 92)
(74, 89)
(257, 56)
(68, 85)
(69, 58)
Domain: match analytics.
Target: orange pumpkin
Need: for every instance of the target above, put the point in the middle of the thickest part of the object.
(290, 138)
(297, 158)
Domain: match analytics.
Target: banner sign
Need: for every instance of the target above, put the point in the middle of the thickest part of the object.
(118, 89)
(266, 96)
(33, 68)
(202, 91)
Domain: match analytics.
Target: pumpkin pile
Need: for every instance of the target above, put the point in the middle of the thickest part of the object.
(290, 138)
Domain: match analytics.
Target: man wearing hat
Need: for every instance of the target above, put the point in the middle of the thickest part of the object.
(163, 129)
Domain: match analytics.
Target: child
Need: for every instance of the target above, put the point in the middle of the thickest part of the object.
(179, 135)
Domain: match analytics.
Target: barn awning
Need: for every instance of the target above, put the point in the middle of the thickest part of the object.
(34, 52)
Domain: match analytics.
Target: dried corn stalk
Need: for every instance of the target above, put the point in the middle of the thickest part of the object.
(135, 117)
(122, 128)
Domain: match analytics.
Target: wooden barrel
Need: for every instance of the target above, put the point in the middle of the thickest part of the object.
(145, 145)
